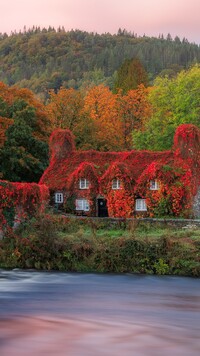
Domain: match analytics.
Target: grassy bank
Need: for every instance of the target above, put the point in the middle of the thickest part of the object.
(60, 243)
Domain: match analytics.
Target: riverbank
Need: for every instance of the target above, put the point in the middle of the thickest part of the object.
(53, 242)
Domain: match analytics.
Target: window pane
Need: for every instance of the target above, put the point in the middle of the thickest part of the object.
(144, 206)
(79, 205)
(85, 205)
(82, 204)
(83, 183)
(59, 198)
(116, 184)
(140, 205)
(154, 185)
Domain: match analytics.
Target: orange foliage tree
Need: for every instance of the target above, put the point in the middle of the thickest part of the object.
(101, 120)
(101, 106)
(9, 95)
(133, 110)
(64, 108)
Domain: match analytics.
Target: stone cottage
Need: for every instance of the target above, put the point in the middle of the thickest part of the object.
(126, 184)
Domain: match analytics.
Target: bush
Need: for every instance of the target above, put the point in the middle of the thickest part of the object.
(60, 243)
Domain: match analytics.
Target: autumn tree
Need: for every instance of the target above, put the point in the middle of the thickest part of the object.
(9, 95)
(24, 129)
(130, 75)
(101, 106)
(134, 110)
(64, 108)
(86, 133)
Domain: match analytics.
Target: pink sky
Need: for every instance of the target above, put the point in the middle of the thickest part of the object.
(152, 17)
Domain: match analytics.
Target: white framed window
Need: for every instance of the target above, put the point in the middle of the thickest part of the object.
(83, 183)
(116, 184)
(82, 204)
(140, 205)
(154, 185)
(58, 198)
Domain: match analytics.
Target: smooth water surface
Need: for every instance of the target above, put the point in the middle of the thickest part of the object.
(54, 313)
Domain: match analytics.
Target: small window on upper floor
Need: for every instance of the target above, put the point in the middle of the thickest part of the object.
(154, 185)
(83, 183)
(116, 184)
(140, 205)
(58, 198)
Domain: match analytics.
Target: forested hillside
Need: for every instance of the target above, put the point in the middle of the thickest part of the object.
(114, 92)
(48, 59)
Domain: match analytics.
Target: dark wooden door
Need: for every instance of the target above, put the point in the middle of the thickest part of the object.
(102, 208)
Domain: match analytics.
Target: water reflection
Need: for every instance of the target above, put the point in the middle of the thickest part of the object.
(49, 313)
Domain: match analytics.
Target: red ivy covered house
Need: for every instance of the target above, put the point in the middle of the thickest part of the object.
(124, 184)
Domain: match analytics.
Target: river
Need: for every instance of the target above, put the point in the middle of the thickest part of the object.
(72, 314)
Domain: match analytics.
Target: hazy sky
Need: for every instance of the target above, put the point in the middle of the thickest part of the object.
(152, 17)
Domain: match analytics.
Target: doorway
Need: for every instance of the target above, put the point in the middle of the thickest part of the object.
(102, 208)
